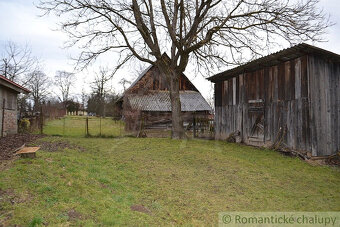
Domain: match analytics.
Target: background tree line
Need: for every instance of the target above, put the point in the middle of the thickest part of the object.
(19, 65)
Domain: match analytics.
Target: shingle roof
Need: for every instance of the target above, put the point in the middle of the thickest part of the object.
(13, 85)
(140, 76)
(134, 82)
(275, 58)
(160, 101)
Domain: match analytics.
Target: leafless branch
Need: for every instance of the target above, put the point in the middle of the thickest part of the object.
(17, 62)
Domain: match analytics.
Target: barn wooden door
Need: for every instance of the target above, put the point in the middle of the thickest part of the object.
(255, 107)
(256, 116)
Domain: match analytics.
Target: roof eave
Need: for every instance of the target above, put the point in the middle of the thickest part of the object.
(15, 88)
(274, 59)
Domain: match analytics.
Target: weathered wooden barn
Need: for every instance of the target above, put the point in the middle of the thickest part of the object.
(8, 106)
(148, 99)
(291, 97)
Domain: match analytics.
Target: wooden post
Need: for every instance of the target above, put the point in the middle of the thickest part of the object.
(87, 126)
(100, 126)
(194, 125)
(41, 121)
(64, 126)
(3, 118)
(120, 128)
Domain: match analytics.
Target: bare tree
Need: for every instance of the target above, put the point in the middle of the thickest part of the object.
(64, 81)
(38, 84)
(99, 87)
(124, 82)
(206, 33)
(84, 98)
(17, 61)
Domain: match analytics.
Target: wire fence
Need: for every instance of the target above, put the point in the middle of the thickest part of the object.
(203, 128)
(77, 126)
(86, 126)
(196, 127)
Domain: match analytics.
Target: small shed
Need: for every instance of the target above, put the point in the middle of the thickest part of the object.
(291, 97)
(148, 99)
(9, 91)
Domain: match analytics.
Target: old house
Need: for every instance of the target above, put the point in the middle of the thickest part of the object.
(8, 107)
(148, 100)
(291, 97)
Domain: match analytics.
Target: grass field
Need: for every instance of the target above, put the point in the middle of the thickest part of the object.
(103, 181)
(74, 126)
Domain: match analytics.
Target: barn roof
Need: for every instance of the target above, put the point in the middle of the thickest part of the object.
(274, 59)
(160, 101)
(12, 85)
(140, 76)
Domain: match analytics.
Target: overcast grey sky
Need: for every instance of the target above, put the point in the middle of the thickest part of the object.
(20, 23)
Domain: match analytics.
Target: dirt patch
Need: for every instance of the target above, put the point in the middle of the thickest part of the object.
(74, 215)
(9, 196)
(58, 146)
(332, 160)
(316, 162)
(157, 133)
(50, 160)
(10, 143)
(140, 208)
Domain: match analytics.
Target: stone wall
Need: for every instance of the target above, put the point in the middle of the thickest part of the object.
(10, 122)
(10, 114)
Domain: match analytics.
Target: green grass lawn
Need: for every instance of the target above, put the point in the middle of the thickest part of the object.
(74, 126)
(97, 181)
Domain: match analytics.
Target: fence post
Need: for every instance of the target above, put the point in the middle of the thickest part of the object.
(41, 120)
(64, 126)
(100, 126)
(3, 118)
(194, 125)
(120, 128)
(87, 126)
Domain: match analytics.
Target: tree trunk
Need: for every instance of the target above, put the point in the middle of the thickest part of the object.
(177, 120)
(177, 131)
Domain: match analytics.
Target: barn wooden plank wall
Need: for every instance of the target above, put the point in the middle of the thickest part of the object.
(324, 98)
(299, 98)
(154, 80)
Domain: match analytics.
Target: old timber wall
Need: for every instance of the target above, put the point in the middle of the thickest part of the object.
(298, 100)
